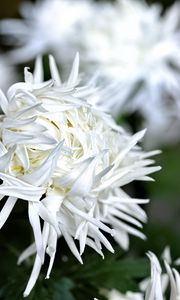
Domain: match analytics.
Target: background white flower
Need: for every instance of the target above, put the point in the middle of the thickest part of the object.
(47, 26)
(154, 289)
(69, 161)
(131, 42)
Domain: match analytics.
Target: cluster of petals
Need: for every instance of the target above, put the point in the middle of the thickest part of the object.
(69, 161)
(156, 288)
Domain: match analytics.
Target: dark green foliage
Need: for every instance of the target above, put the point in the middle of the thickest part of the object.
(71, 280)
(167, 180)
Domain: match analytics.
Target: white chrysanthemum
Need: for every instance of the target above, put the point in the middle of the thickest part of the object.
(132, 43)
(47, 26)
(69, 161)
(154, 289)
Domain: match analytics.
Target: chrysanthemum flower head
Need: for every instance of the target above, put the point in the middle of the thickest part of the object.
(133, 41)
(134, 44)
(69, 161)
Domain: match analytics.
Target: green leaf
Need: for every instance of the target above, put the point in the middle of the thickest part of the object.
(112, 272)
(167, 180)
(62, 289)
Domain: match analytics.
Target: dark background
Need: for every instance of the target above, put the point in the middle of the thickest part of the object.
(9, 8)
